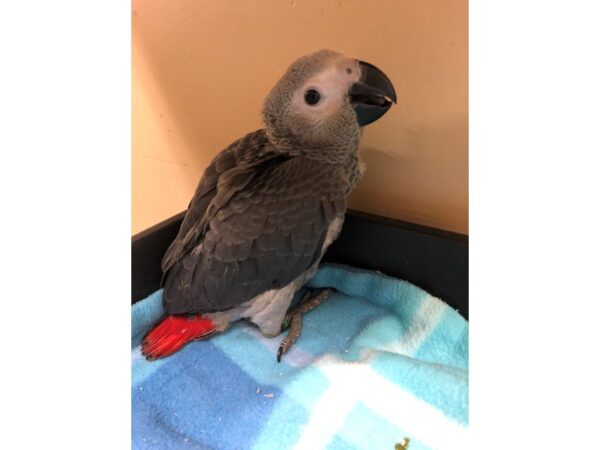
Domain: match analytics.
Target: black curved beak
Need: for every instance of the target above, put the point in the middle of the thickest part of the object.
(372, 95)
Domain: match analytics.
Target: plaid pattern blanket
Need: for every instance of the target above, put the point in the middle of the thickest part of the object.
(379, 363)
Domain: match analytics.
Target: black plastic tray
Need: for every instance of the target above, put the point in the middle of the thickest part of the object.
(432, 259)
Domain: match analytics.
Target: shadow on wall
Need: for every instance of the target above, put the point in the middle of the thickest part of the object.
(416, 164)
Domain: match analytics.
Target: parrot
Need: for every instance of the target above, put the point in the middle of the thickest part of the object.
(269, 205)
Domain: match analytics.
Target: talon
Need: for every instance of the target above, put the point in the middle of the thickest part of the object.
(293, 319)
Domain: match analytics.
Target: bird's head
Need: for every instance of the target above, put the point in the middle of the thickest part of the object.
(324, 99)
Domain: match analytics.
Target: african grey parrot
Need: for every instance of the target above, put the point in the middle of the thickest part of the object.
(269, 205)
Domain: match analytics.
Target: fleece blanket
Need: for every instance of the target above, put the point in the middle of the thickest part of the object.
(381, 364)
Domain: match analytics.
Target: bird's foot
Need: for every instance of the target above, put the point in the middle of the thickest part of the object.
(293, 319)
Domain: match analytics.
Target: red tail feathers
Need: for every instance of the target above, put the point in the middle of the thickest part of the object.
(173, 333)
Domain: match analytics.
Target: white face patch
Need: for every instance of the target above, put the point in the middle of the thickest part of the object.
(330, 87)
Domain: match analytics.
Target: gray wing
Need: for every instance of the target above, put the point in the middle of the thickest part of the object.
(244, 154)
(263, 228)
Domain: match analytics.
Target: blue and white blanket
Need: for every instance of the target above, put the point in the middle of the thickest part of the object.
(379, 361)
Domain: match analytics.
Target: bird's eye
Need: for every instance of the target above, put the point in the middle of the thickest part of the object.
(312, 97)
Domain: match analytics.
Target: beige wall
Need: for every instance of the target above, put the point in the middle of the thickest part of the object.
(201, 70)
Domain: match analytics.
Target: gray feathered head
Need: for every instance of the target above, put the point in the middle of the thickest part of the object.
(324, 99)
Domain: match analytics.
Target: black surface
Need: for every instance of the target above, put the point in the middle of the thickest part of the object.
(147, 250)
(432, 259)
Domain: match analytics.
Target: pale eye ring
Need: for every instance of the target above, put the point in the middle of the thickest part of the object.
(312, 97)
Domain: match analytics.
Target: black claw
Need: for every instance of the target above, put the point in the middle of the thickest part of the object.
(279, 353)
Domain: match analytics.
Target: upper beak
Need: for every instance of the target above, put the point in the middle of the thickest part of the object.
(372, 95)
